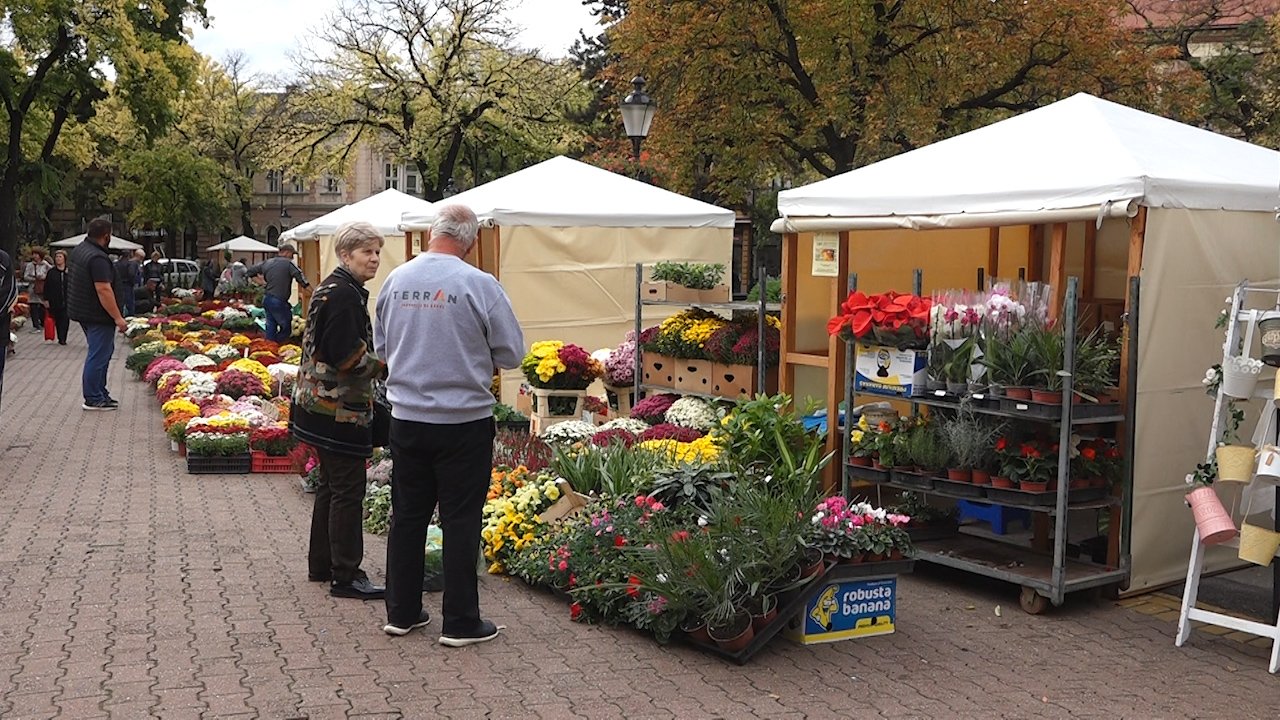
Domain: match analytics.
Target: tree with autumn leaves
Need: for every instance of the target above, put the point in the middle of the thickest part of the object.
(814, 88)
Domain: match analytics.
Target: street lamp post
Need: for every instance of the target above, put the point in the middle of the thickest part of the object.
(284, 213)
(637, 114)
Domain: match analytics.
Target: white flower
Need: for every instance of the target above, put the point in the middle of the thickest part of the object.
(702, 521)
(631, 425)
(767, 478)
(569, 432)
(662, 577)
(692, 413)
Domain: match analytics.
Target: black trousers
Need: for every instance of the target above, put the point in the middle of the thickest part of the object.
(337, 539)
(448, 465)
(37, 315)
(60, 321)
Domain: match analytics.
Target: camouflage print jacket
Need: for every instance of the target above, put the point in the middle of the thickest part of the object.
(333, 396)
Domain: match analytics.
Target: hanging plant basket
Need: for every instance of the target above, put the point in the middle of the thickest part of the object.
(1235, 463)
(1269, 327)
(1240, 377)
(1258, 545)
(1213, 523)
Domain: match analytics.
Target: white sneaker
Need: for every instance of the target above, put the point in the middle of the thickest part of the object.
(423, 620)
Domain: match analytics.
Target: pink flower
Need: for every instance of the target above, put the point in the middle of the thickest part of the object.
(564, 565)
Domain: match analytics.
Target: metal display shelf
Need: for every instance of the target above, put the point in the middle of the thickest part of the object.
(1045, 577)
(1039, 574)
(1081, 413)
(943, 488)
(742, 305)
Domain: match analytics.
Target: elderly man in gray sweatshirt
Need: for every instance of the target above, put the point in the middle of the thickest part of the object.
(443, 327)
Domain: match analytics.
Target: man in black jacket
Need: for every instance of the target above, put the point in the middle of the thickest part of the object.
(8, 295)
(91, 301)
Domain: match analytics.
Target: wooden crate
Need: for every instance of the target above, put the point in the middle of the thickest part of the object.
(694, 375)
(732, 381)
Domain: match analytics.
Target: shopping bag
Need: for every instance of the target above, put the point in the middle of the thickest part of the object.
(50, 332)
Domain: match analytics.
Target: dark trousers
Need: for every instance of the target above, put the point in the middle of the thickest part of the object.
(37, 316)
(61, 322)
(448, 465)
(93, 379)
(279, 317)
(337, 540)
(5, 318)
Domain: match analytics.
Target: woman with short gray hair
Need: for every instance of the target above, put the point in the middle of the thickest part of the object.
(333, 410)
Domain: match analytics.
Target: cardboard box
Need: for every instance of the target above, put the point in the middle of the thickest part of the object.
(569, 503)
(694, 375)
(658, 369)
(849, 609)
(664, 291)
(881, 370)
(733, 381)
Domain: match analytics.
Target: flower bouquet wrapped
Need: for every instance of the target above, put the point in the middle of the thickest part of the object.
(890, 318)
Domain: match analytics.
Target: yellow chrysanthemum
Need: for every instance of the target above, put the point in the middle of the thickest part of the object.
(253, 366)
(239, 341)
(179, 405)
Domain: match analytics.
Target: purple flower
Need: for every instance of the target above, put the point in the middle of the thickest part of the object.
(653, 408)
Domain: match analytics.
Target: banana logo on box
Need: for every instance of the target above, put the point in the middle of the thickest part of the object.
(825, 607)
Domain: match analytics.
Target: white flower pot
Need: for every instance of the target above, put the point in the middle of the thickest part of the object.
(1239, 383)
(1269, 462)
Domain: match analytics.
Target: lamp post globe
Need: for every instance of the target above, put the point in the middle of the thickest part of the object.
(638, 109)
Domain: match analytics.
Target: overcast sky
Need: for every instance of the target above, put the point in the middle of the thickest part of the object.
(266, 30)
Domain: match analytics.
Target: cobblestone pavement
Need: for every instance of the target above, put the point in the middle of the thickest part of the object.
(129, 589)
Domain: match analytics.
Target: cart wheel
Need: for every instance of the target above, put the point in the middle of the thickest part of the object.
(1033, 602)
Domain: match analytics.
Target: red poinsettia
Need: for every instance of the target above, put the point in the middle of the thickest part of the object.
(890, 317)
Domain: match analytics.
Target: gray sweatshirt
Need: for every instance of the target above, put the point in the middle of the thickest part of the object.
(443, 327)
(280, 272)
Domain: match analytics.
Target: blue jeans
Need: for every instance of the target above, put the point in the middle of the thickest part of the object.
(279, 318)
(93, 381)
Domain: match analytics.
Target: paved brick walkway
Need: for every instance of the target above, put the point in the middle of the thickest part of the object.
(129, 589)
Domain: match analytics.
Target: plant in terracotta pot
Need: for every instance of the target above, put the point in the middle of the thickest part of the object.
(1096, 363)
(1033, 465)
(927, 451)
(967, 438)
(833, 530)
(958, 368)
(1009, 363)
(1047, 346)
(861, 445)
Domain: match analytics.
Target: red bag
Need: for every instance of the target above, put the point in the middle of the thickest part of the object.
(50, 331)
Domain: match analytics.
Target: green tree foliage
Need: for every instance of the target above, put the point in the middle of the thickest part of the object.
(172, 185)
(1235, 47)
(813, 88)
(436, 83)
(230, 114)
(53, 60)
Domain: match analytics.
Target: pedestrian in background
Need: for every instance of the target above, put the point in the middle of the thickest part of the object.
(91, 301)
(55, 294)
(279, 272)
(153, 278)
(333, 410)
(126, 283)
(8, 296)
(443, 327)
(209, 272)
(34, 274)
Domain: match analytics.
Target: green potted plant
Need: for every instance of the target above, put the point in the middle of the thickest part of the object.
(1047, 347)
(1009, 364)
(966, 437)
(508, 418)
(686, 282)
(959, 367)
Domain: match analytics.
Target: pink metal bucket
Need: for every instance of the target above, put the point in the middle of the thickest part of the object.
(1212, 520)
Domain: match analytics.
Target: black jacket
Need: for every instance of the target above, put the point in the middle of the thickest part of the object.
(333, 394)
(55, 288)
(82, 297)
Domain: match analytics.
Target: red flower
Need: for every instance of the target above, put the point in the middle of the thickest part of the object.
(575, 611)
(1002, 444)
(1112, 453)
(1088, 453)
(633, 586)
(573, 579)
(680, 536)
(619, 541)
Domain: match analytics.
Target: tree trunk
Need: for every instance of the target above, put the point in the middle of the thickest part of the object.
(246, 218)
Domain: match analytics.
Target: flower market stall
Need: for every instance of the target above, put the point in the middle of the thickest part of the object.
(314, 238)
(1081, 188)
(564, 238)
(223, 390)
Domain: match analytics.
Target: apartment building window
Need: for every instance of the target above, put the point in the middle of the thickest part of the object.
(391, 176)
(273, 181)
(331, 185)
(411, 183)
(299, 186)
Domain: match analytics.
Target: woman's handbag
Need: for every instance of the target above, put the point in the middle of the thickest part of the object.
(381, 416)
(50, 330)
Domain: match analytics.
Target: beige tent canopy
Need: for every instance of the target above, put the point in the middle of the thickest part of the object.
(1123, 194)
(117, 244)
(314, 238)
(564, 238)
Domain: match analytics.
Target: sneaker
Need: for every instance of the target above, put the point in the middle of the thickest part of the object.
(399, 630)
(114, 403)
(484, 632)
(100, 405)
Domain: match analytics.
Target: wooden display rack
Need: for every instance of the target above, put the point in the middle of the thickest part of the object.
(542, 418)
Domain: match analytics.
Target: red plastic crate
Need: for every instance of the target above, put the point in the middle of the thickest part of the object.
(264, 463)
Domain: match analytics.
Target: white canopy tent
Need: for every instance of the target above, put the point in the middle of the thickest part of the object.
(564, 238)
(1128, 194)
(314, 238)
(117, 244)
(244, 244)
